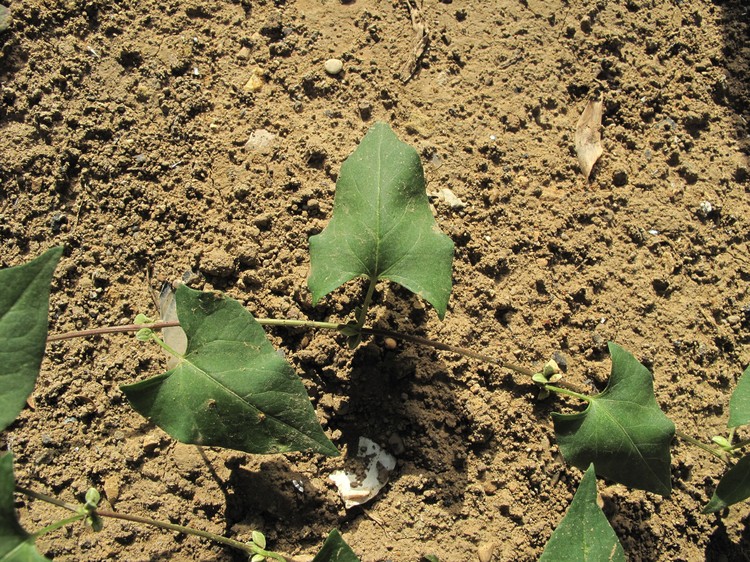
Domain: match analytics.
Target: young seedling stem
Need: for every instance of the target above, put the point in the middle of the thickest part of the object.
(718, 453)
(366, 303)
(305, 324)
(161, 343)
(560, 387)
(568, 392)
(58, 524)
(245, 547)
(110, 330)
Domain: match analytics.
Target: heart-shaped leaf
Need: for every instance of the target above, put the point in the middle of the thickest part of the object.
(16, 545)
(24, 307)
(231, 388)
(382, 226)
(335, 550)
(622, 431)
(733, 487)
(584, 534)
(739, 403)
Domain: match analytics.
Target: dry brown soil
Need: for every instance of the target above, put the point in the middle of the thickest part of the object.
(123, 131)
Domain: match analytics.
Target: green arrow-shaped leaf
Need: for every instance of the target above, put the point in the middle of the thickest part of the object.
(584, 534)
(24, 306)
(335, 550)
(622, 431)
(16, 545)
(231, 389)
(733, 487)
(382, 226)
(739, 403)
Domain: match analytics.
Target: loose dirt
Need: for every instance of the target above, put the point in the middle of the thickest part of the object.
(155, 138)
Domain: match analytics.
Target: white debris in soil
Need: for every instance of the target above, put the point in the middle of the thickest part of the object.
(450, 198)
(260, 140)
(356, 491)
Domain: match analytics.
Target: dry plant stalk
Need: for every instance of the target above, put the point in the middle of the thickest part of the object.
(421, 39)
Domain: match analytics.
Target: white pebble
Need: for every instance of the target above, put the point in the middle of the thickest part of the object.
(333, 66)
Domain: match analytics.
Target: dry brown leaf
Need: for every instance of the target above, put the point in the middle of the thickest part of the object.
(589, 137)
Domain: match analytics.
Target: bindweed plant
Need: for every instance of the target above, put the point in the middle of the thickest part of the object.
(231, 389)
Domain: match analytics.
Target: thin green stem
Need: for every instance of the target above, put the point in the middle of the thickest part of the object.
(165, 346)
(110, 330)
(568, 392)
(46, 498)
(311, 324)
(175, 323)
(58, 524)
(249, 548)
(708, 448)
(366, 303)
(298, 323)
(446, 347)
(319, 325)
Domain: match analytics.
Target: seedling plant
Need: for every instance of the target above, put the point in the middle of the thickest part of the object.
(230, 388)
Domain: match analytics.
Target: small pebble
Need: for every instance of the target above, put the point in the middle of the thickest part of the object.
(150, 444)
(255, 82)
(734, 319)
(390, 343)
(111, 489)
(334, 66)
(243, 53)
(705, 208)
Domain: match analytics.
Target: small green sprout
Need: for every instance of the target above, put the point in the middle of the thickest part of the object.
(89, 509)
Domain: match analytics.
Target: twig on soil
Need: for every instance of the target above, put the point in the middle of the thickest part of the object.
(421, 40)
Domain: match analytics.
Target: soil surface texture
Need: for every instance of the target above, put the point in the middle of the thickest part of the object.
(201, 140)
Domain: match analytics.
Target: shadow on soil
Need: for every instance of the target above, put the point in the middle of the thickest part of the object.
(734, 92)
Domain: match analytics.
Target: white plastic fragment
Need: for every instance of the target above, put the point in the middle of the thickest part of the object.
(378, 468)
